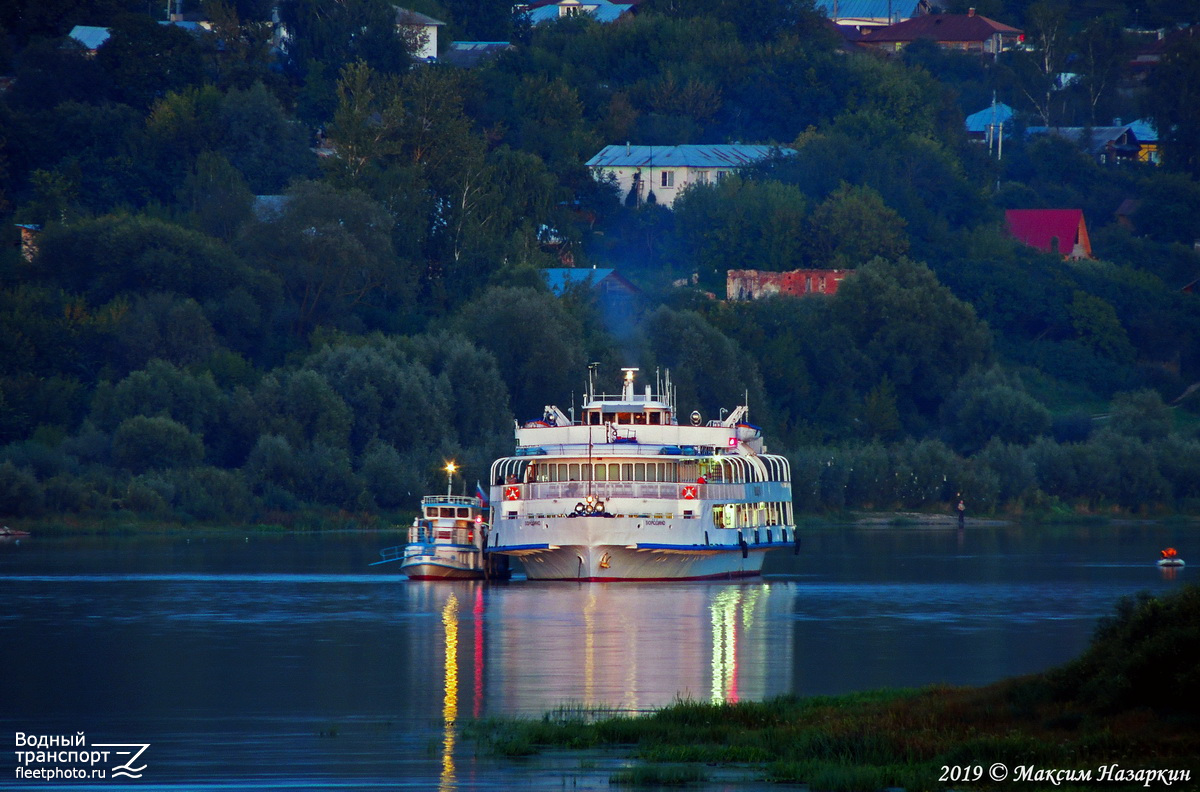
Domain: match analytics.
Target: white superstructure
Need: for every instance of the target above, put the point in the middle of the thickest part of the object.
(628, 493)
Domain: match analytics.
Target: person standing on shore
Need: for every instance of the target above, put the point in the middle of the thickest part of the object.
(962, 513)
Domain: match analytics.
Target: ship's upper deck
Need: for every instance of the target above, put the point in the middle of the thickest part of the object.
(636, 424)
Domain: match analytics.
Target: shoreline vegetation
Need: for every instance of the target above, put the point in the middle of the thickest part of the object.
(1126, 706)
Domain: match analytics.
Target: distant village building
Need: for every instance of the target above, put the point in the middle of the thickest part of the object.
(666, 170)
(89, 37)
(418, 26)
(616, 296)
(1061, 231)
(1106, 144)
(862, 14)
(757, 284)
(969, 32)
(602, 11)
(990, 123)
(29, 240)
(469, 54)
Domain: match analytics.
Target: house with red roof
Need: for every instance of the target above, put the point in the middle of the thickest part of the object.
(1061, 231)
(968, 32)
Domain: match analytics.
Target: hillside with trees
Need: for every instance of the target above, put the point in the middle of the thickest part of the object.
(282, 280)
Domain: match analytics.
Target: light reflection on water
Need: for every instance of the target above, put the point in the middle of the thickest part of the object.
(281, 663)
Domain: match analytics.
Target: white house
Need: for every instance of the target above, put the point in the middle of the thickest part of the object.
(666, 170)
(417, 25)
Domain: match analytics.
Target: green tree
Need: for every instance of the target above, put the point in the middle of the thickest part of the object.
(391, 398)
(20, 493)
(332, 250)
(144, 60)
(991, 405)
(303, 409)
(911, 329)
(216, 198)
(259, 140)
(145, 443)
(1031, 72)
(1173, 102)
(1102, 55)
(113, 256)
(160, 389)
(1140, 414)
(342, 33)
(536, 342)
(1098, 327)
(742, 224)
(853, 225)
(880, 417)
(708, 370)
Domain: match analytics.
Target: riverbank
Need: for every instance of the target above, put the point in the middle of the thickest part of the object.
(1127, 707)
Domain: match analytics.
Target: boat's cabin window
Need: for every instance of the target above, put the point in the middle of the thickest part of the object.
(461, 512)
(655, 418)
(593, 417)
(612, 471)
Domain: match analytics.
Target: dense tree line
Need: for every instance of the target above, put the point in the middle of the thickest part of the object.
(287, 277)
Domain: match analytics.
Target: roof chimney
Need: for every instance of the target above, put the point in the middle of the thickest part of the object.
(970, 12)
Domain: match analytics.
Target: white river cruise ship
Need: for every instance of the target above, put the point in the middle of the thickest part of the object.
(628, 493)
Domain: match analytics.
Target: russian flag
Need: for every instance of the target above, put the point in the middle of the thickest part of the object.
(479, 493)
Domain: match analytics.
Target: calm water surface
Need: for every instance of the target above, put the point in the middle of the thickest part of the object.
(287, 662)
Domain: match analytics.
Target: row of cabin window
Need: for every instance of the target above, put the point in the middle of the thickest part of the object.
(458, 512)
(752, 515)
(611, 471)
(652, 417)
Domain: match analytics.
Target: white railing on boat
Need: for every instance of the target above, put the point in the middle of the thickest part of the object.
(451, 500)
(766, 490)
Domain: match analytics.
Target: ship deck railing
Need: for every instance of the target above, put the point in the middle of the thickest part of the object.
(450, 500)
(627, 446)
(659, 490)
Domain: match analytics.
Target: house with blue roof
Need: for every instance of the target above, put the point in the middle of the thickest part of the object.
(616, 297)
(89, 37)
(604, 281)
(995, 119)
(1107, 144)
(871, 13)
(665, 171)
(603, 11)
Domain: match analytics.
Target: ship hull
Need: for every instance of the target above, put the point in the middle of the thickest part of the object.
(435, 571)
(618, 563)
(606, 548)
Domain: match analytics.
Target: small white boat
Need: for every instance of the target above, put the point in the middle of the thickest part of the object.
(12, 533)
(446, 542)
(1170, 558)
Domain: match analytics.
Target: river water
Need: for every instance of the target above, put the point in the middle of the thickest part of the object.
(288, 662)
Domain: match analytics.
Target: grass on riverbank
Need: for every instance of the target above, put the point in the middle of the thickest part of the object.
(1133, 699)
